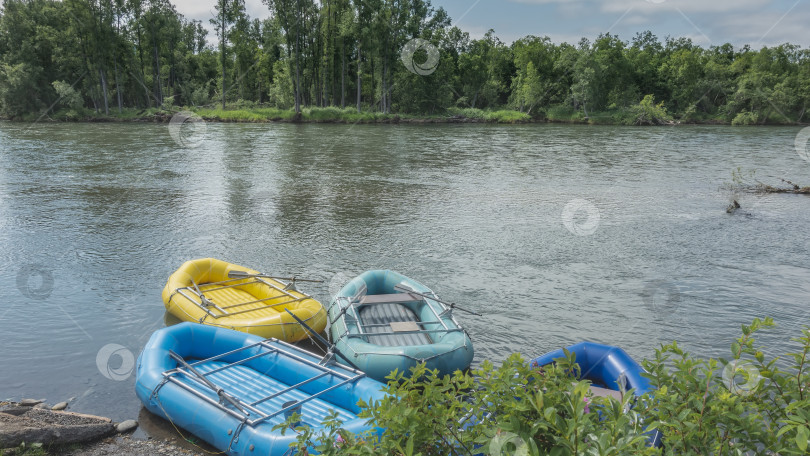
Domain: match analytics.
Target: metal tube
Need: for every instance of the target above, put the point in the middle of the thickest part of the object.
(316, 365)
(421, 331)
(290, 388)
(221, 355)
(297, 404)
(201, 305)
(220, 392)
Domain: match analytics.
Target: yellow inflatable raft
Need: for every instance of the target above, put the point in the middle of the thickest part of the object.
(201, 291)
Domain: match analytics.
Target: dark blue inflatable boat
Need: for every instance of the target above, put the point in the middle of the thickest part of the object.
(609, 369)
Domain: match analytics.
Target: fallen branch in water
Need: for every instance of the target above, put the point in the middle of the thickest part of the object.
(794, 188)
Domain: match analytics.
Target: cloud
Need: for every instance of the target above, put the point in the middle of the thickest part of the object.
(755, 22)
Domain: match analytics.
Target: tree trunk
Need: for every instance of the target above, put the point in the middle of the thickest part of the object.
(103, 78)
(359, 80)
(156, 71)
(118, 86)
(222, 50)
(143, 66)
(343, 73)
(297, 70)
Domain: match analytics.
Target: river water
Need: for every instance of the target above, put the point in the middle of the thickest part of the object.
(556, 233)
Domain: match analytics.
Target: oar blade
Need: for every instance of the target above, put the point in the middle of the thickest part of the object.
(239, 275)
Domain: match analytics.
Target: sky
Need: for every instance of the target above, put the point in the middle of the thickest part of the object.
(707, 22)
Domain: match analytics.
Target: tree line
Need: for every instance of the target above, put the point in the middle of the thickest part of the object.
(113, 55)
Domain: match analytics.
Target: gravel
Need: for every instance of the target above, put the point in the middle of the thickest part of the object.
(117, 445)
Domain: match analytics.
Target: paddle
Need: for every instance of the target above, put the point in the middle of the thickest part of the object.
(451, 305)
(247, 275)
(203, 300)
(329, 347)
(220, 392)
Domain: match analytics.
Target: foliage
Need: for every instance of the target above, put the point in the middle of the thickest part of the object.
(745, 405)
(339, 53)
(68, 96)
(649, 113)
(25, 449)
(745, 118)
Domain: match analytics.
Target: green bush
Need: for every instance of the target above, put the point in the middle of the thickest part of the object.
(68, 96)
(745, 118)
(563, 113)
(745, 405)
(168, 103)
(646, 112)
(470, 113)
(507, 116)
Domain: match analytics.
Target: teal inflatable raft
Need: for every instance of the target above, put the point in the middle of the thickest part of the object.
(230, 388)
(382, 320)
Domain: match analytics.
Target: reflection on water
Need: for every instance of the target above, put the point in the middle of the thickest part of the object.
(477, 212)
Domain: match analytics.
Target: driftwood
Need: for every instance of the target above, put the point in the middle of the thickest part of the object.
(794, 188)
(32, 425)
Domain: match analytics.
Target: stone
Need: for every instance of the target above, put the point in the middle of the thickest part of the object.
(42, 405)
(51, 428)
(126, 426)
(60, 406)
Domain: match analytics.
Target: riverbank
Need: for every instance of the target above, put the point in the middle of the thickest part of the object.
(31, 427)
(249, 113)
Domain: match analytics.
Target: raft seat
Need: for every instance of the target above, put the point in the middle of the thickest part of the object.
(378, 319)
(389, 298)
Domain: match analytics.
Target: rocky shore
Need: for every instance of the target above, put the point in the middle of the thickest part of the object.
(32, 427)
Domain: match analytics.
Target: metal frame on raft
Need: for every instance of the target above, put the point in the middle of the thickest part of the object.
(408, 295)
(241, 409)
(204, 303)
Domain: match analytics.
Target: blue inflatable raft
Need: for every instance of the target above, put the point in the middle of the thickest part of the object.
(230, 388)
(610, 370)
(382, 320)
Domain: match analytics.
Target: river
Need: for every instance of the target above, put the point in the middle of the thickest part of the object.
(556, 233)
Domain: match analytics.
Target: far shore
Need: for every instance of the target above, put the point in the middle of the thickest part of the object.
(334, 115)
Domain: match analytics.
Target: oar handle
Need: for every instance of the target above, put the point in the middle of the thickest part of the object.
(330, 347)
(220, 392)
(247, 275)
(306, 326)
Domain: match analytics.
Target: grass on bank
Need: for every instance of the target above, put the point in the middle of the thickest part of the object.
(242, 112)
(646, 112)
